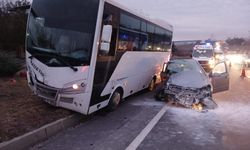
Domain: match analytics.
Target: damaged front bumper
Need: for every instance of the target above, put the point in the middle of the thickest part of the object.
(187, 96)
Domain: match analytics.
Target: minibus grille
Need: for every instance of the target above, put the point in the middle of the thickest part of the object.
(46, 91)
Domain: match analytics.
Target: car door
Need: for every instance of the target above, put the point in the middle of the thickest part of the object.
(220, 77)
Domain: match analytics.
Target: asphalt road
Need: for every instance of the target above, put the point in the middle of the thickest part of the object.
(145, 124)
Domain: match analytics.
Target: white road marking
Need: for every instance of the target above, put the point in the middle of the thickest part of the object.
(137, 141)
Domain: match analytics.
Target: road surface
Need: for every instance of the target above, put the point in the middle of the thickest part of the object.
(145, 124)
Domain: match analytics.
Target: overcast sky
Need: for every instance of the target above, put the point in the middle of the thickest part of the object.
(199, 19)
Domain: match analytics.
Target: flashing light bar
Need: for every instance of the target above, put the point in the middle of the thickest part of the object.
(203, 46)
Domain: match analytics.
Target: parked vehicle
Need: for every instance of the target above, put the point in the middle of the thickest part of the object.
(187, 83)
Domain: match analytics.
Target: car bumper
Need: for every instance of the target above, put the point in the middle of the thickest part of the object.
(187, 96)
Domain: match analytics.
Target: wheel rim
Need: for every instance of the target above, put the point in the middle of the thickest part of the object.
(117, 98)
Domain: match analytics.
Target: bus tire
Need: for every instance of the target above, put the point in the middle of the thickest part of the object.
(151, 85)
(115, 100)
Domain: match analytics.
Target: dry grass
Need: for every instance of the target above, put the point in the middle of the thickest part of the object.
(21, 111)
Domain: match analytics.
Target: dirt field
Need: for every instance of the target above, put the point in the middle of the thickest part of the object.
(21, 112)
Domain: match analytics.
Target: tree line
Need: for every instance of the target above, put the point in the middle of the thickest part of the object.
(239, 44)
(12, 25)
(235, 41)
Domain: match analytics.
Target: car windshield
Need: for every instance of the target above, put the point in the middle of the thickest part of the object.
(203, 53)
(69, 36)
(182, 65)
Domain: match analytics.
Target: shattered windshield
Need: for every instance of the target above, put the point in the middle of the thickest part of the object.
(177, 66)
(66, 31)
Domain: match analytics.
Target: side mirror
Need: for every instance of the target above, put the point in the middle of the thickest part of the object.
(106, 38)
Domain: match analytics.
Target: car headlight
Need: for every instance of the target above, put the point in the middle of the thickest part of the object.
(211, 63)
(220, 57)
(217, 56)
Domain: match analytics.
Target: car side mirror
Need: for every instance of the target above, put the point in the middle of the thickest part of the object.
(106, 38)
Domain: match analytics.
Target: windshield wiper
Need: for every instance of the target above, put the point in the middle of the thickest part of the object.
(58, 54)
(60, 58)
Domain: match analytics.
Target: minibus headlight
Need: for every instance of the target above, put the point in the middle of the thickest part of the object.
(73, 88)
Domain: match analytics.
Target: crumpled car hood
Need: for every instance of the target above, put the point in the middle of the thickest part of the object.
(189, 79)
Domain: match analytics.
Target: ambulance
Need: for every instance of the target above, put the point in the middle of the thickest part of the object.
(205, 55)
